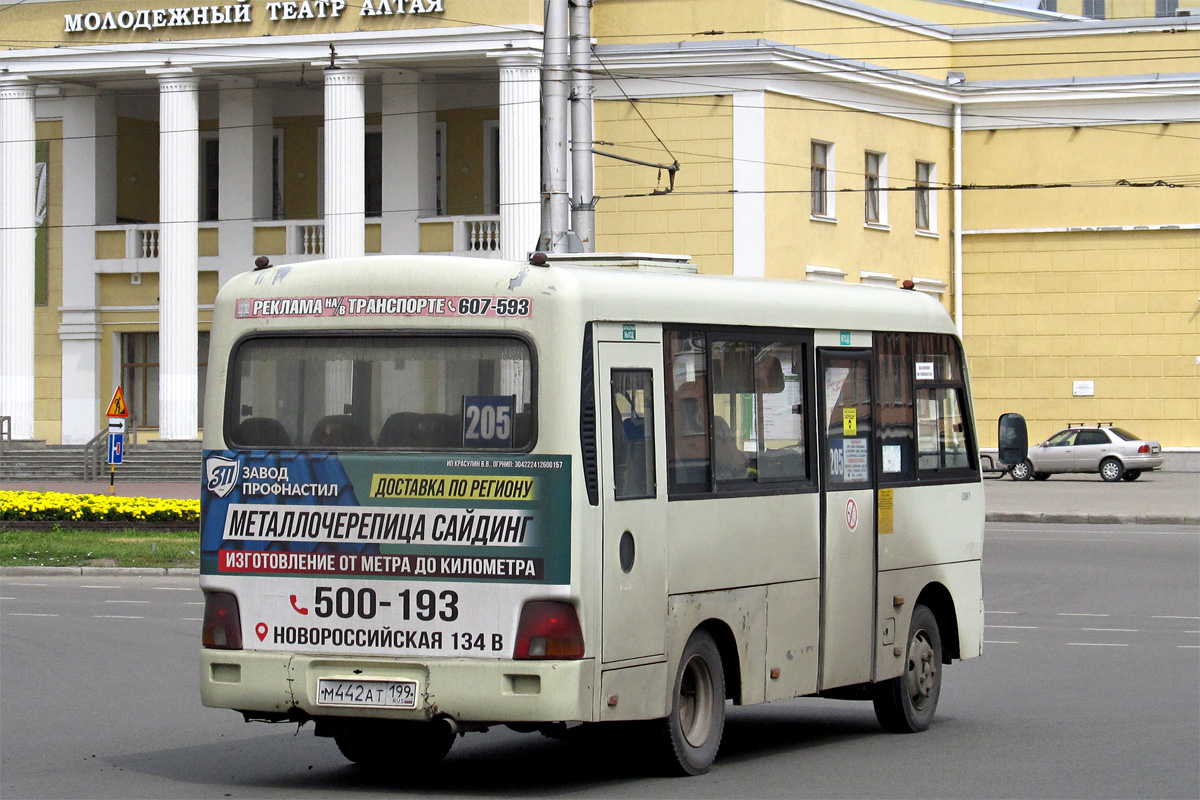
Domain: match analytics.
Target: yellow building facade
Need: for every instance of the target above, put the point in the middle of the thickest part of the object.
(1036, 169)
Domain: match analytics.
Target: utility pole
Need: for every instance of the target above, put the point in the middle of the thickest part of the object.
(556, 202)
(583, 199)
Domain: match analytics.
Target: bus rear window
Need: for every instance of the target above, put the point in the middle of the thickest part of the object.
(381, 392)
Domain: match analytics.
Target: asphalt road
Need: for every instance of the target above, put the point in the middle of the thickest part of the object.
(1089, 688)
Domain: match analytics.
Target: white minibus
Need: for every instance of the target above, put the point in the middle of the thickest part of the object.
(442, 494)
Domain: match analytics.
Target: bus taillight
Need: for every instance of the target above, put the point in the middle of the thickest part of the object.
(222, 622)
(548, 629)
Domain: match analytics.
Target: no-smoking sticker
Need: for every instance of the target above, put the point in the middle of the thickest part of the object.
(851, 514)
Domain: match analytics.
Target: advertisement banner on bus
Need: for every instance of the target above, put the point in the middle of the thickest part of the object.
(383, 553)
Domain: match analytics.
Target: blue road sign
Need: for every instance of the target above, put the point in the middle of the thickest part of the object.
(116, 448)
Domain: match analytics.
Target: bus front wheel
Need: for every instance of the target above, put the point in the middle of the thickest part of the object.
(906, 703)
(377, 746)
(689, 737)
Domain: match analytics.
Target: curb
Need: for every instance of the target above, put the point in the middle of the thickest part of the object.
(76, 571)
(1093, 519)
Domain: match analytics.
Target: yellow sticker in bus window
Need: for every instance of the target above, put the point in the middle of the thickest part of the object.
(849, 422)
(884, 507)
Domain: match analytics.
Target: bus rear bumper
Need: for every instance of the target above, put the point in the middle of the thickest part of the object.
(481, 690)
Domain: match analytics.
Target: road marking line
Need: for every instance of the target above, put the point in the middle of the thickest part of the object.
(1069, 614)
(1095, 644)
(113, 616)
(127, 601)
(8, 598)
(1002, 612)
(1015, 627)
(175, 588)
(1188, 646)
(1112, 630)
(28, 584)
(1175, 618)
(192, 619)
(96, 586)
(29, 614)
(992, 641)
(198, 603)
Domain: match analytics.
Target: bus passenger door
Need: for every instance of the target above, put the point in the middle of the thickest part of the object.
(633, 491)
(848, 556)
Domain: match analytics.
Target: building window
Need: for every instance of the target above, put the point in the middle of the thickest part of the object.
(1048, 5)
(1093, 9)
(139, 375)
(873, 183)
(439, 168)
(821, 164)
(924, 196)
(277, 208)
(210, 177)
(373, 173)
(491, 167)
(1166, 8)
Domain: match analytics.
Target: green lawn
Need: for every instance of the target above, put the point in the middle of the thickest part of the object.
(131, 548)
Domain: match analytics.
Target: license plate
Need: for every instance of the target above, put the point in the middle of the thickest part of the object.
(369, 694)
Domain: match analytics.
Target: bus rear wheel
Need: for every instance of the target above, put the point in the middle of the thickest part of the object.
(382, 745)
(906, 703)
(689, 737)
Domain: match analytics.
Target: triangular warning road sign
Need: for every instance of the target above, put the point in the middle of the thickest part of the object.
(117, 406)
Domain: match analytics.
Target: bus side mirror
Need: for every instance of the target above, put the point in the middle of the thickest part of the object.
(1013, 438)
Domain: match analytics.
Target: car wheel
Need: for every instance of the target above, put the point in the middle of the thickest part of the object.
(1022, 471)
(1111, 469)
(1131, 475)
(1041, 476)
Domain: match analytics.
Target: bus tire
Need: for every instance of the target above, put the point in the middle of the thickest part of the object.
(376, 746)
(688, 738)
(906, 703)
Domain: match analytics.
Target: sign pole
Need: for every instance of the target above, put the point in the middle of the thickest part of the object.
(118, 412)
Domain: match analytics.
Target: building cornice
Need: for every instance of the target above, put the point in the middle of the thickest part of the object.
(423, 47)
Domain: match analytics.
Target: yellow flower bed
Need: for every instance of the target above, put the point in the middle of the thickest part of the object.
(59, 506)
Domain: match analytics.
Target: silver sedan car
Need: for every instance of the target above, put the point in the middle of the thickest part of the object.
(1113, 452)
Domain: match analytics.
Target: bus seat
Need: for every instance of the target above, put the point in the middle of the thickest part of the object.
(406, 429)
(522, 428)
(339, 430)
(261, 432)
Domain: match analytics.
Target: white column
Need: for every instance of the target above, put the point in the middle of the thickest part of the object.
(17, 197)
(245, 136)
(89, 161)
(520, 155)
(407, 159)
(179, 206)
(749, 184)
(345, 190)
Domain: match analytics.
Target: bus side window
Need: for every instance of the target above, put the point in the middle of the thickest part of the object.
(633, 434)
(688, 466)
